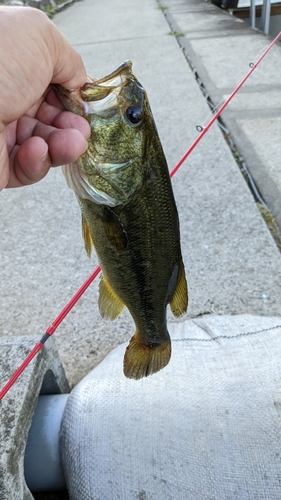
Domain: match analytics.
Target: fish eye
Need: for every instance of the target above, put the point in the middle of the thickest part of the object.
(133, 115)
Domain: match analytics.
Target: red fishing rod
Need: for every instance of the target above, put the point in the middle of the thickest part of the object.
(52, 328)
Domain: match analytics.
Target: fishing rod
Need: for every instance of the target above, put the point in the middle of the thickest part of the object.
(52, 328)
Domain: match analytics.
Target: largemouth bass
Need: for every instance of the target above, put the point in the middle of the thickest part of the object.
(129, 213)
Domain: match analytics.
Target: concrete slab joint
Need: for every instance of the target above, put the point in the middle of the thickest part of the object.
(45, 375)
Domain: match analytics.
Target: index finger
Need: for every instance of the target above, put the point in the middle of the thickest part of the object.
(52, 99)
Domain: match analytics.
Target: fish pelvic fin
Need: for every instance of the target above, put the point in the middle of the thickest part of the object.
(110, 305)
(141, 360)
(87, 236)
(179, 301)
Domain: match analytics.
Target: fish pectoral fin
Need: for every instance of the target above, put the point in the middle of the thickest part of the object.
(87, 236)
(110, 305)
(114, 229)
(179, 301)
(141, 360)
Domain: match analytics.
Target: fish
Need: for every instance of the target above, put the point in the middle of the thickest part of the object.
(129, 214)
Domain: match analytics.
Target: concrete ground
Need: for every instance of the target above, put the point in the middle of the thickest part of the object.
(232, 263)
(220, 47)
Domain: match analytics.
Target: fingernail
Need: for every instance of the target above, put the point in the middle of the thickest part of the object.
(44, 156)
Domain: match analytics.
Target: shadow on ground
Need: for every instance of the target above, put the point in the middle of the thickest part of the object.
(55, 495)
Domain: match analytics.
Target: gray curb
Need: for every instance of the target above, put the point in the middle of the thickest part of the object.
(44, 375)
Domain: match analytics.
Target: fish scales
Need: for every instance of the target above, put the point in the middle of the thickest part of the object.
(129, 214)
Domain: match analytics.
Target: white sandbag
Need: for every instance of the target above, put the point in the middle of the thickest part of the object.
(207, 427)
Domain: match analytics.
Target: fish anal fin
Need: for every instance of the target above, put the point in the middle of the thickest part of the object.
(141, 360)
(110, 305)
(179, 301)
(87, 236)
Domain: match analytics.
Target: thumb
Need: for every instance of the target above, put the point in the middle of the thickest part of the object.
(68, 67)
(4, 160)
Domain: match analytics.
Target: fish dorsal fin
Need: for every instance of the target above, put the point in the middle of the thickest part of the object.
(110, 305)
(87, 236)
(179, 301)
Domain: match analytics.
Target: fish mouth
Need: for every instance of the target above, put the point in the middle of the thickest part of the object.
(97, 96)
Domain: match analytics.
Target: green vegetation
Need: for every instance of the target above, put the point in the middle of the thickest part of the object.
(176, 33)
(49, 10)
(271, 224)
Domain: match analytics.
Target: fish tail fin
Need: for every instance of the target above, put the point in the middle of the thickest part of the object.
(140, 360)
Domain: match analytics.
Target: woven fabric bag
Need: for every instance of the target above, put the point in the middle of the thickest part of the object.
(207, 427)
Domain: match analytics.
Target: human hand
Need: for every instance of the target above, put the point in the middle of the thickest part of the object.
(36, 132)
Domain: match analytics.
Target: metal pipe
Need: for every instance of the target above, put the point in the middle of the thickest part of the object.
(265, 16)
(253, 13)
(42, 466)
